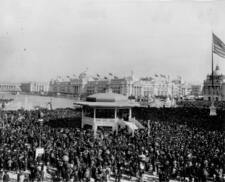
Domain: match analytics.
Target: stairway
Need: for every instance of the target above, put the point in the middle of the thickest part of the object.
(137, 123)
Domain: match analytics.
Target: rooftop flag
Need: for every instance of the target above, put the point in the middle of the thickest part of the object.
(218, 46)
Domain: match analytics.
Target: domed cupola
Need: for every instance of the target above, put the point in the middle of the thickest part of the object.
(217, 70)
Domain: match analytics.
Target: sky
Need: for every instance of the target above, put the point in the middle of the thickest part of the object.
(41, 39)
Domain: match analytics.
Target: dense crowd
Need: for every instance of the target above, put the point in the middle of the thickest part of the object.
(200, 104)
(193, 117)
(170, 148)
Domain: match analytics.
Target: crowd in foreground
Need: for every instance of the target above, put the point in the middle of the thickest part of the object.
(170, 149)
(200, 104)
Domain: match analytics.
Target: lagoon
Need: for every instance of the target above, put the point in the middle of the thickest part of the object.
(29, 102)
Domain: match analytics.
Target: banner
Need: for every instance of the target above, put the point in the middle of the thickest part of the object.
(147, 178)
(39, 152)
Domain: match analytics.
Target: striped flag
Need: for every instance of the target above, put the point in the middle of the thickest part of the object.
(218, 46)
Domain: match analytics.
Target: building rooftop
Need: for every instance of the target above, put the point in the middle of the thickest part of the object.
(107, 99)
(108, 104)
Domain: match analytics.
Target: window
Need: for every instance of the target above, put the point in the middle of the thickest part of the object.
(105, 113)
(88, 112)
(123, 114)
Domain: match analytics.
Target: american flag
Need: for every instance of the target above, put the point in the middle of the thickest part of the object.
(218, 46)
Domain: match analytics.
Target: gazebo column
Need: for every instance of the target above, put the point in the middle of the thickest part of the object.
(115, 128)
(130, 113)
(82, 118)
(94, 123)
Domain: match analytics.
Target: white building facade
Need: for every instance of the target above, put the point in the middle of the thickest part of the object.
(35, 87)
(156, 87)
(72, 86)
(10, 87)
(117, 85)
(215, 89)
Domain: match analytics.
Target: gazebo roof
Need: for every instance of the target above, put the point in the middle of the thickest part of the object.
(107, 97)
(109, 100)
(108, 104)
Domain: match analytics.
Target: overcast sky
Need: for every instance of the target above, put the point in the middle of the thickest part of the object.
(40, 39)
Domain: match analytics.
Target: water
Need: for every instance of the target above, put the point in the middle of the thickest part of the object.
(31, 101)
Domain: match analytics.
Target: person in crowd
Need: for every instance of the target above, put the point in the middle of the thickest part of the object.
(178, 144)
(6, 177)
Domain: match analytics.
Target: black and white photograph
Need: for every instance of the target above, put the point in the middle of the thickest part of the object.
(112, 90)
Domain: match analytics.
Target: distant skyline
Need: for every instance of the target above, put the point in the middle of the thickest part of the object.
(42, 39)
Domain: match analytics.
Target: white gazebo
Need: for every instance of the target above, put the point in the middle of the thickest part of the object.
(108, 110)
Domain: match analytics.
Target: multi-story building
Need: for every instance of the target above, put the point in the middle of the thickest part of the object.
(214, 88)
(96, 86)
(60, 87)
(143, 88)
(72, 86)
(122, 85)
(34, 87)
(177, 87)
(117, 85)
(9, 87)
(156, 87)
(196, 90)
(85, 85)
(186, 89)
(162, 87)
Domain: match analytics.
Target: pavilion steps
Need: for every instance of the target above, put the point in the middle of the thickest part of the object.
(138, 124)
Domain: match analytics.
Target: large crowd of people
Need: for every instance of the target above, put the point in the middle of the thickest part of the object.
(173, 146)
(200, 104)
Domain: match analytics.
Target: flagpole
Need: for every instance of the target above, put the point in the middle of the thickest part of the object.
(212, 107)
(212, 75)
